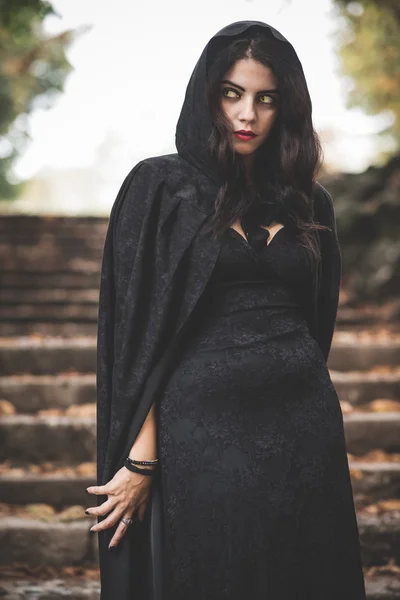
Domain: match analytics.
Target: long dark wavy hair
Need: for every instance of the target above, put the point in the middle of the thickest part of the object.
(286, 164)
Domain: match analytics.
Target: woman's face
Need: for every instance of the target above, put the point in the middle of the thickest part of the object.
(249, 99)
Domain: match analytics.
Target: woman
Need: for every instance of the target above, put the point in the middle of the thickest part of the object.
(222, 467)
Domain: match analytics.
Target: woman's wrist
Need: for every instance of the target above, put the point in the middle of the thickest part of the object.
(150, 465)
(138, 468)
(145, 463)
(145, 446)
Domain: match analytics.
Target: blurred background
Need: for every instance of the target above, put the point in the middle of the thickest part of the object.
(89, 88)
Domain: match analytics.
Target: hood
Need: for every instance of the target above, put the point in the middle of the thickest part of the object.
(194, 123)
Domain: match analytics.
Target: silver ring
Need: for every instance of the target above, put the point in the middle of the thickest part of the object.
(126, 520)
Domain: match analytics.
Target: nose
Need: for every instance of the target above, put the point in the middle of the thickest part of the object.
(247, 112)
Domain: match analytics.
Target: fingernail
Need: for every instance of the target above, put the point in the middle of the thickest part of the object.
(87, 512)
(87, 491)
(112, 548)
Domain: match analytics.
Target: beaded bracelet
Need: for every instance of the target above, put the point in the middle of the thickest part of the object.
(142, 462)
(136, 469)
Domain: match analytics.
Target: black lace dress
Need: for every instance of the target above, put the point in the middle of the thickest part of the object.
(254, 475)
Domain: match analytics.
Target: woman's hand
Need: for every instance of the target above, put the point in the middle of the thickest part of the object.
(127, 492)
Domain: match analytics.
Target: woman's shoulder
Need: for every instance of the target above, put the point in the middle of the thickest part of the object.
(179, 180)
(147, 175)
(165, 176)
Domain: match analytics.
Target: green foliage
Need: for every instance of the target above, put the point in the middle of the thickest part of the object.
(370, 55)
(33, 69)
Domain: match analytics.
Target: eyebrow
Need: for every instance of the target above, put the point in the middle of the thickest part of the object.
(273, 91)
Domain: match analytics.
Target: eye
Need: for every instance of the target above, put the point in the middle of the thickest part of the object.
(267, 99)
(229, 91)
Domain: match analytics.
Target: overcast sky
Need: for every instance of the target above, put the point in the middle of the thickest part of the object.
(123, 99)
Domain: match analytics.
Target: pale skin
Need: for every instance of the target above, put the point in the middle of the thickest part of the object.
(249, 101)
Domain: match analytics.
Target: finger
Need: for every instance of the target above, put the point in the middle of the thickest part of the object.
(109, 521)
(102, 509)
(99, 489)
(112, 518)
(119, 533)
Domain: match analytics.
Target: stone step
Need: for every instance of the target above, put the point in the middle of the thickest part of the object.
(379, 537)
(37, 542)
(50, 355)
(58, 280)
(28, 224)
(59, 439)
(30, 393)
(367, 431)
(49, 311)
(55, 542)
(69, 440)
(63, 245)
(353, 356)
(370, 314)
(371, 482)
(355, 319)
(47, 355)
(70, 329)
(382, 587)
(58, 236)
(377, 588)
(48, 488)
(13, 297)
(71, 230)
(60, 588)
(360, 387)
(64, 239)
(50, 263)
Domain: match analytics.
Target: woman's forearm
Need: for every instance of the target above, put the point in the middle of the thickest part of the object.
(145, 445)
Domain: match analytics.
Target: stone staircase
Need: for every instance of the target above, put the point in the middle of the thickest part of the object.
(48, 312)
(50, 276)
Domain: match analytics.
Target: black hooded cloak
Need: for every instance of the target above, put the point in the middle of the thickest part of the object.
(155, 267)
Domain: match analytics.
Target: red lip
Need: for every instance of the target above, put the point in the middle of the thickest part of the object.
(245, 136)
(244, 132)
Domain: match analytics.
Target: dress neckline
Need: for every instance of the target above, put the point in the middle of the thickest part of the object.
(246, 242)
